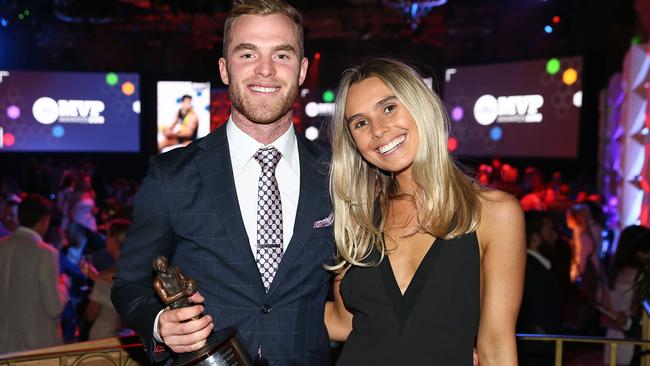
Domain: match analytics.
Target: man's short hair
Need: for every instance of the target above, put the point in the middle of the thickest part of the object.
(186, 96)
(32, 209)
(263, 7)
(534, 222)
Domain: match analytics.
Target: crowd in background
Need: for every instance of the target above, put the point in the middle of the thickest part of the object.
(86, 231)
(582, 276)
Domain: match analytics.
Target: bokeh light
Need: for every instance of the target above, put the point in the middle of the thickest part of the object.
(452, 144)
(457, 113)
(128, 88)
(8, 139)
(553, 66)
(13, 112)
(570, 76)
(328, 96)
(496, 133)
(58, 131)
(112, 79)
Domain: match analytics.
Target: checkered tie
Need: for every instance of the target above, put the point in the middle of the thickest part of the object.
(269, 215)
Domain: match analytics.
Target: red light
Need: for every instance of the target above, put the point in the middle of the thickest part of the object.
(556, 19)
(452, 144)
(317, 56)
(8, 139)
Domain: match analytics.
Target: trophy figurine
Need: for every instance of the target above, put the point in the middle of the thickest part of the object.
(222, 348)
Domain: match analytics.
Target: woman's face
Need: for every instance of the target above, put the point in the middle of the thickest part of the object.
(383, 130)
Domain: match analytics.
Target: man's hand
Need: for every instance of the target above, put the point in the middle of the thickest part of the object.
(180, 332)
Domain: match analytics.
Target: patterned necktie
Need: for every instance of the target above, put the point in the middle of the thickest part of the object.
(269, 215)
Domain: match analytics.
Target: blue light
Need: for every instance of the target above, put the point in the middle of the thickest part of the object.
(58, 131)
(496, 133)
(548, 29)
(414, 9)
(4, 22)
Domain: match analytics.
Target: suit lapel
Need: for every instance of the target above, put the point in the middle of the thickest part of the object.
(215, 170)
(313, 180)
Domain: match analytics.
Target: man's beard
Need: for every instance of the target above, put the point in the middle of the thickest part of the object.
(259, 112)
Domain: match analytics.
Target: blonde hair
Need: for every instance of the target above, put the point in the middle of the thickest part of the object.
(263, 7)
(446, 199)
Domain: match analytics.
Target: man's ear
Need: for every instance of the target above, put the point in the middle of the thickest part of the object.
(303, 70)
(223, 70)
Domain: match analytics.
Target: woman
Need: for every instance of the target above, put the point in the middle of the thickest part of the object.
(100, 311)
(619, 298)
(428, 260)
(585, 240)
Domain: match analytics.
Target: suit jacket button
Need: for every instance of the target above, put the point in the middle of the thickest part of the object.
(266, 308)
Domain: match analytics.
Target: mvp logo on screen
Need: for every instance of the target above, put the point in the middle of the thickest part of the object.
(47, 111)
(508, 109)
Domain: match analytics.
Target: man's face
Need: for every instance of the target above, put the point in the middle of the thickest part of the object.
(186, 104)
(549, 238)
(9, 217)
(263, 67)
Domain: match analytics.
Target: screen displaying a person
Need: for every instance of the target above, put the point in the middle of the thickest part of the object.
(184, 127)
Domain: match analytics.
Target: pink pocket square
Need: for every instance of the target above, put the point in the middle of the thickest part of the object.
(324, 222)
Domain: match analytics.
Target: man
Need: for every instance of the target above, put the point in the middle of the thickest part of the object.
(228, 206)
(541, 306)
(31, 297)
(184, 128)
(9, 215)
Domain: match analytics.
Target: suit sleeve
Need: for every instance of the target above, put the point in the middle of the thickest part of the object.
(53, 295)
(149, 236)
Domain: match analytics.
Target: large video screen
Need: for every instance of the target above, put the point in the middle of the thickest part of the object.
(183, 113)
(519, 109)
(69, 112)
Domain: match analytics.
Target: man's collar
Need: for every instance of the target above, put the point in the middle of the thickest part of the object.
(543, 260)
(23, 230)
(243, 147)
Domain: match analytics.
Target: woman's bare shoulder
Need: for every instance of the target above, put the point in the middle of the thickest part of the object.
(500, 213)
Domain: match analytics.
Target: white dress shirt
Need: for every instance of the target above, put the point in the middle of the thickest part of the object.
(246, 171)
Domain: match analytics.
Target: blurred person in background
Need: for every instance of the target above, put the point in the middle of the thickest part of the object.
(619, 297)
(31, 295)
(100, 311)
(9, 214)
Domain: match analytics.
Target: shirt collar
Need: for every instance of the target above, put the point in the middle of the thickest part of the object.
(543, 260)
(24, 230)
(242, 147)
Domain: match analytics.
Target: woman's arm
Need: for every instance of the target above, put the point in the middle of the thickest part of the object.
(338, 319)
(503, 255)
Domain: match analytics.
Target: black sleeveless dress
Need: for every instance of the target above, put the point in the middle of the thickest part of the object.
(435, 322)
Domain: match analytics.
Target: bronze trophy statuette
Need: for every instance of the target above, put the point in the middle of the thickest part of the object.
(222, 348)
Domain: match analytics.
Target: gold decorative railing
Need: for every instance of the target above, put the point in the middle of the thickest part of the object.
(560, 340)
(125, 351)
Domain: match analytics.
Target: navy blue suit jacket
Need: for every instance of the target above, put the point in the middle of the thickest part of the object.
(187, 210)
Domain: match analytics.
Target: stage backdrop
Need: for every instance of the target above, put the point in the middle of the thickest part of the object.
(518, 109)
(69, 112)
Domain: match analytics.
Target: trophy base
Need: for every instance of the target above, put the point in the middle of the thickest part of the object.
(222, 348)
